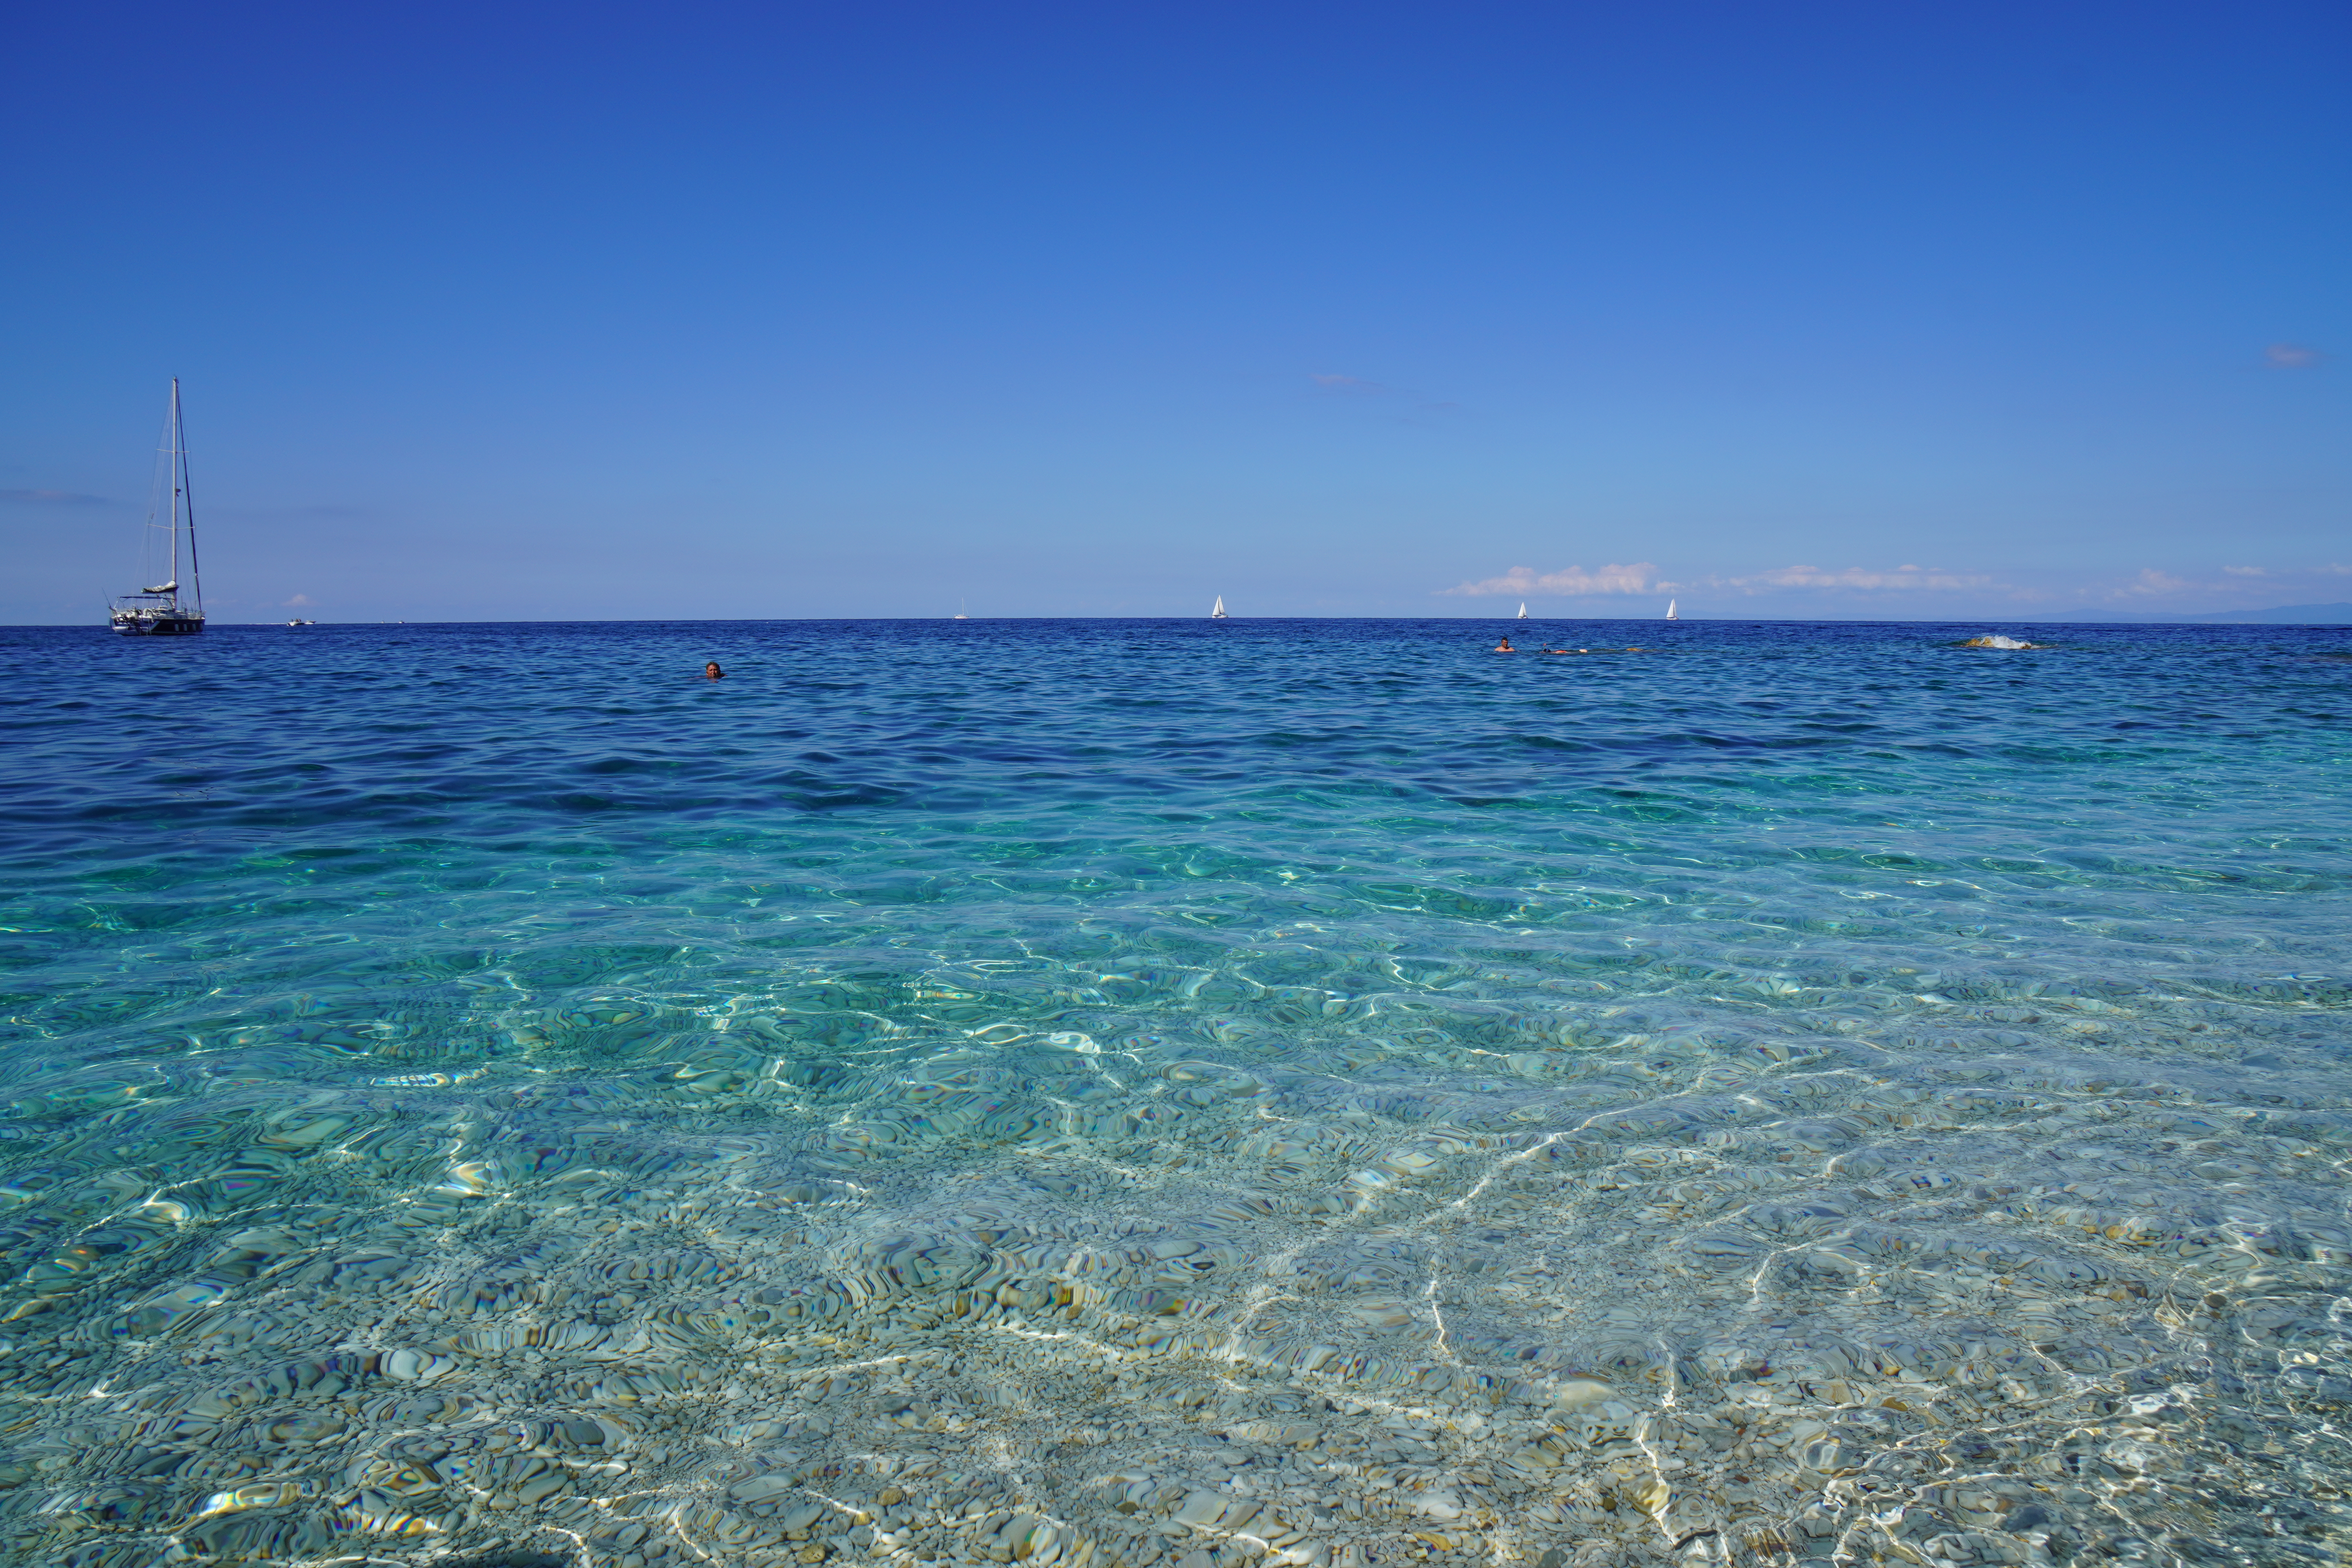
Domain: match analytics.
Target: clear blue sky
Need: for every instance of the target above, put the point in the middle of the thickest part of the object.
(523, 310)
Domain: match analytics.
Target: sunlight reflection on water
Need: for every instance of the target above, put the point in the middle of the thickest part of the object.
(1135, 1092)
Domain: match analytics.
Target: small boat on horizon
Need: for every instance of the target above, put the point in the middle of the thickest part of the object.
(1523, 609)
(960, 615)
(1218, 614)
(162, 611)
(1670, 610)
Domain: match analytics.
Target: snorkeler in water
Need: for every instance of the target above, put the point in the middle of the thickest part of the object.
(712, 672)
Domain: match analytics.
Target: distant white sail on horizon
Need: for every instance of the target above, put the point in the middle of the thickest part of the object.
(1523, 609)
(1670, 610)
(1218, 614)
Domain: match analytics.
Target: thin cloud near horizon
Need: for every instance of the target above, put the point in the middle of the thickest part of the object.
(1569, 580)
(51, 498)
(2232, 586)
(1901, 577)
(1641, 577)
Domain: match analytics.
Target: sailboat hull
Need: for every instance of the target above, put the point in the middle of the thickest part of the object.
(154, 624)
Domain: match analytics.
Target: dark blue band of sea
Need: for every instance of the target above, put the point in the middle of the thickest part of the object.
(1107, 1093)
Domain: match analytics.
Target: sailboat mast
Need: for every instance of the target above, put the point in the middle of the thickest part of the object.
(180, 440)
(172, 468)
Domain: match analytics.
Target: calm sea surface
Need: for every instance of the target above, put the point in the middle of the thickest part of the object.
(1098, 1092)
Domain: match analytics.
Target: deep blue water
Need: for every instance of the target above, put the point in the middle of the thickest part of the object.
(1100, 1090)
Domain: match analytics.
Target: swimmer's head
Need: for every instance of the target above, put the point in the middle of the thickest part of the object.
(712, 672)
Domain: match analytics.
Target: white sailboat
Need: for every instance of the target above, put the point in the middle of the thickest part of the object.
(1219, 612)
(1523, 609)
(165, 610)
(960, 615)
(1670, 611)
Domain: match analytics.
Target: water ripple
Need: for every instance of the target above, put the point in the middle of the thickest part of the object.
(1136, 1093)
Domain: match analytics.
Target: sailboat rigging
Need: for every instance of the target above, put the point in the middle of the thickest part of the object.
(1523, 609)
(165, 610)
(1219, 612)
(1670, 611)
(960, 615)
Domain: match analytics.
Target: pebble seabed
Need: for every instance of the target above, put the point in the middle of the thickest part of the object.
(1637, 1294)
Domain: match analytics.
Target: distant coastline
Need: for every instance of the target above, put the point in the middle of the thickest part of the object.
(2280, 615)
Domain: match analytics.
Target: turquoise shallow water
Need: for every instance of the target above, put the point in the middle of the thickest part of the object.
(1133, 1092)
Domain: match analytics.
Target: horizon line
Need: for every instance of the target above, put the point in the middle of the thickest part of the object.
(2174, 619)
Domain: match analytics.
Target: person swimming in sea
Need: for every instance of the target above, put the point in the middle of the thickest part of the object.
(1568, 650)
(712, 672)
(1505, 647)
